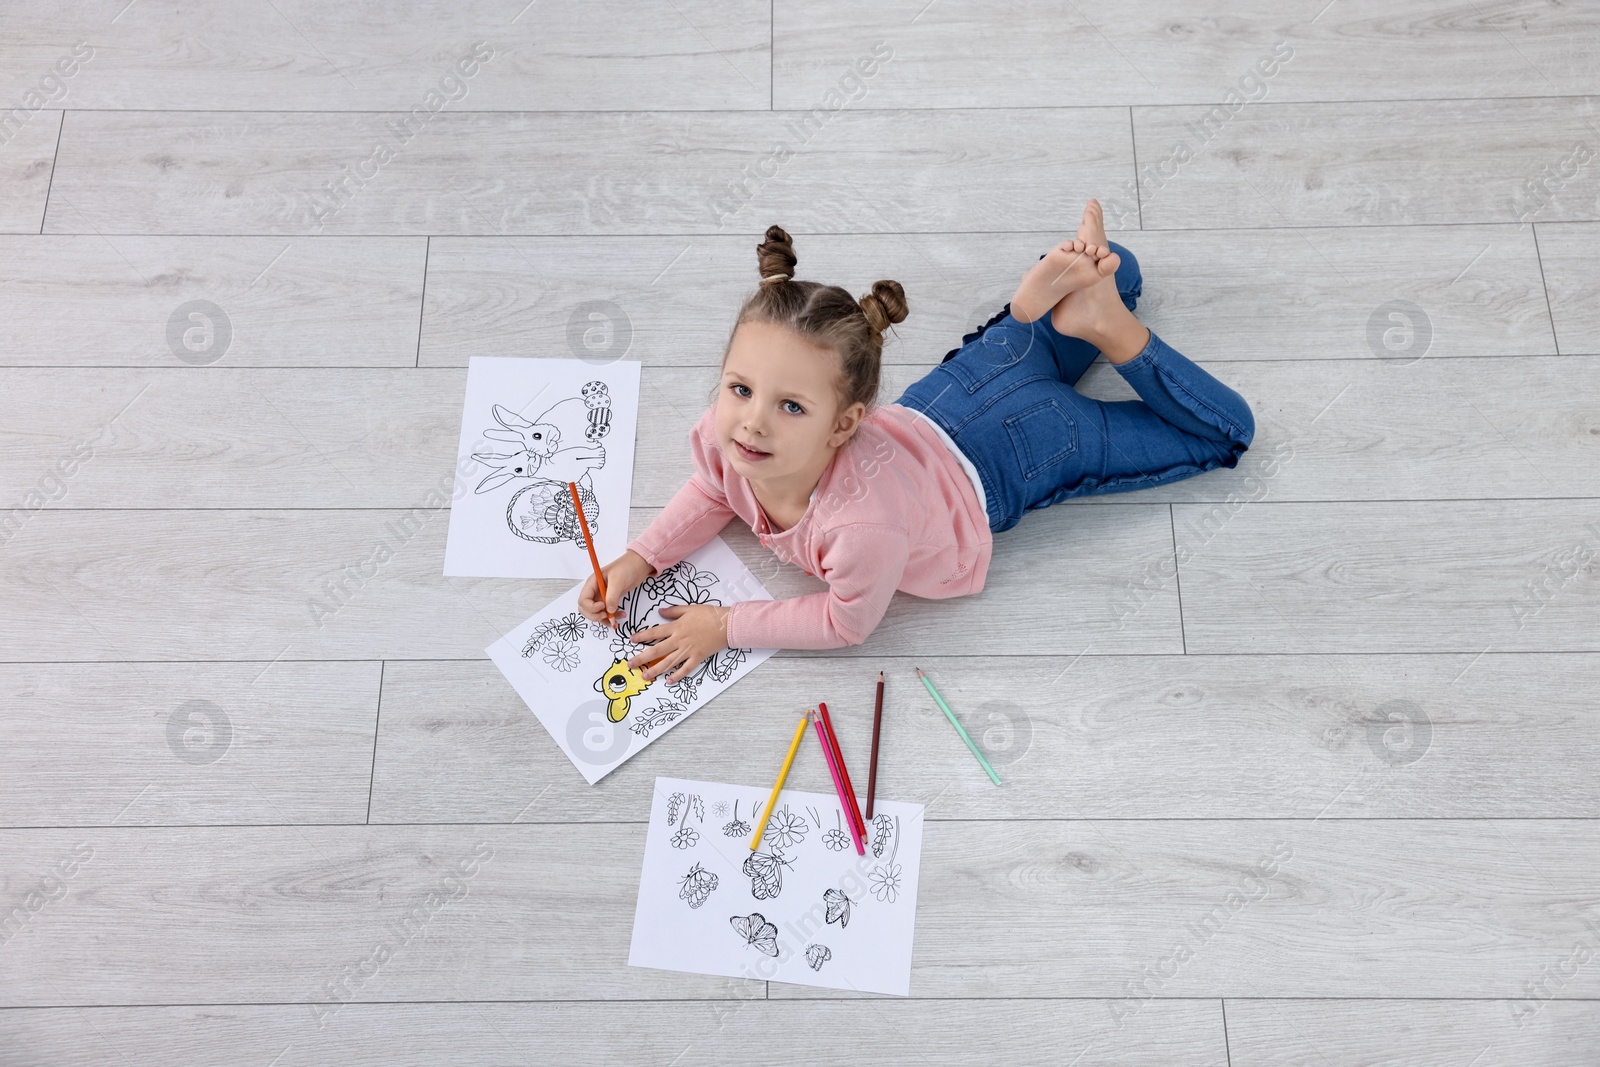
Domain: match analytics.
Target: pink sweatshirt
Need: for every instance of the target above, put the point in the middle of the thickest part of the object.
(894, 510)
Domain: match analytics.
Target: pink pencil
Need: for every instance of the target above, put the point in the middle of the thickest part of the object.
(838, 783)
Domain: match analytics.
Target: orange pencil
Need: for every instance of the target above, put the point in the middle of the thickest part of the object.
(588, 541)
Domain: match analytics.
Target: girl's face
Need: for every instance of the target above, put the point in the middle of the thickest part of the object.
(778, 411)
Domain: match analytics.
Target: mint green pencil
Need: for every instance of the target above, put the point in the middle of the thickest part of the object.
(928, 683)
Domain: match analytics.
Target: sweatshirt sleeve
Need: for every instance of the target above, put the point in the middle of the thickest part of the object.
(692, 517)
(862, 564)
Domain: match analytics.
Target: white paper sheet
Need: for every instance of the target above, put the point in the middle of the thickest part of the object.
(803, 908)
(558, 662)
(529, 426)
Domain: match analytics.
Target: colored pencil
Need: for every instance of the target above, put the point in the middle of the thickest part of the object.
(838, 783)
(788, 761)
(928, 682)
(877, 728)
(588, 541)
(854, 810)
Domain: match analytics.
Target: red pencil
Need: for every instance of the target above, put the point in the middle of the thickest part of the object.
(838, 784)
(854, 808)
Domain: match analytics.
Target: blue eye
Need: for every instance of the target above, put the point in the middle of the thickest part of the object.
(792, 408)
(740, 390)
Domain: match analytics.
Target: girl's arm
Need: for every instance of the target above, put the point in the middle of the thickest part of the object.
(694, 515)
(862, 564)
(691, 518)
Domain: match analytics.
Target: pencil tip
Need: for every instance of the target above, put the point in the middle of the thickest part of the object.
(880, 676)
(919, 673)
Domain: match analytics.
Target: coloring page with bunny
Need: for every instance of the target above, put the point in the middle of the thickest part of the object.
(529, 429)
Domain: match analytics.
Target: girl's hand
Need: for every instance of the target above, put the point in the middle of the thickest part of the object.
(623, 574)
(695, 632)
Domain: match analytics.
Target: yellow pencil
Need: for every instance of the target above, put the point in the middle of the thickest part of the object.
(788, 761)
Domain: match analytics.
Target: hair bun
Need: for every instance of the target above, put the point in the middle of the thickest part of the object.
(775, 256)
(885, 305)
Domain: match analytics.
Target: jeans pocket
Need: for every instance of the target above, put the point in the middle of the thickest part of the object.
(984, 359)
(1042, 436)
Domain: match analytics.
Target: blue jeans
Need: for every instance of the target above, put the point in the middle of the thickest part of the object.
(1006, 398)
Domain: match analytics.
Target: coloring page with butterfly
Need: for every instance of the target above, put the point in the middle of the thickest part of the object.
(793, 909)
(574, 677)
(530, 428)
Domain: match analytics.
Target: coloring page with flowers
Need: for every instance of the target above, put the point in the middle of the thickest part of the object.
(574, 676)
(802, 907)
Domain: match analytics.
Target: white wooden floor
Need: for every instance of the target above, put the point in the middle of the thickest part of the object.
(1374, 669)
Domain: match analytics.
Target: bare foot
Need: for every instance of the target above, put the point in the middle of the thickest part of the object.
(1066, 268)
(1096, 312)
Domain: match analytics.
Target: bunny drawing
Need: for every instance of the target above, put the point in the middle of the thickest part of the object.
(541, 454)
(559, 446)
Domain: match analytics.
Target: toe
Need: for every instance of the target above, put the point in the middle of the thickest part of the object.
(1108, 264)
(1094, 227)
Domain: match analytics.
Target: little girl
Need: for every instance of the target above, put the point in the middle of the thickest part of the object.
(905, 496)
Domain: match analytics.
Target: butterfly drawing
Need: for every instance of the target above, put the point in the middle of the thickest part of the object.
(817, 955)
(757, 932)
(765, 871)
(838, 906)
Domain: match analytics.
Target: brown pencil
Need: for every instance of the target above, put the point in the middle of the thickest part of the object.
(877, 728)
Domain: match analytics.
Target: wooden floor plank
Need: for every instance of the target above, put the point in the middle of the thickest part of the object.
(27, 161)
(967, 54)
(639, 172)
(277, 438)
(223, 437)
(151, 743)
(367, 585)
(1319, 293)
(298, 55)
(1394, 909)
(126, 301)
(1429, 576)
(1249, 294)
(1303, 909)
(1097, 737)
(1347, 430)
(294, 915)
(1572, 273)
(897, 1033)
(1362, 164)
(1412, 1033)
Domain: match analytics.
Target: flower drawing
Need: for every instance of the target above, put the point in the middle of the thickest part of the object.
(570, 627)
(785, 829)
(836, 840)
(737, 827)
(688, 837)
(562, 655)
(886, 882)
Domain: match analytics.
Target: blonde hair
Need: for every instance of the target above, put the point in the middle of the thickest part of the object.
(825, 315)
